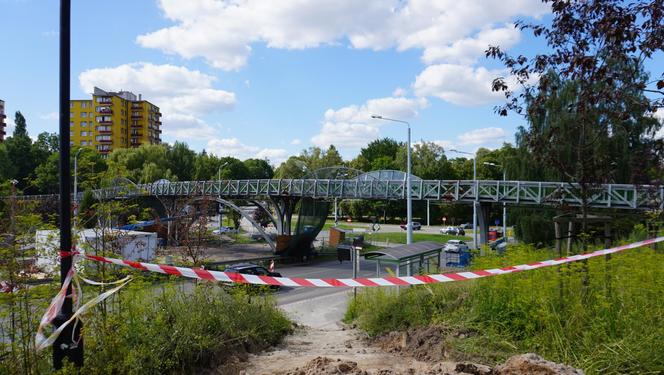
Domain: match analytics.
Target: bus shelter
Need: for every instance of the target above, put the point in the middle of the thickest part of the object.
(410, 259)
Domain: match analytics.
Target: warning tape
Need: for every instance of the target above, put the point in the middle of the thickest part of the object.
(41, 341)
(231, 277)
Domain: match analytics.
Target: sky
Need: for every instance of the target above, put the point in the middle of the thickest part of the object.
(267, 79)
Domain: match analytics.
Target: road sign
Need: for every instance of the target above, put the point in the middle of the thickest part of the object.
(444, 219)
(497, 221)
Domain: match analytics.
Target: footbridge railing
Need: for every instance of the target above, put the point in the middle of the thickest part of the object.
(623, 196)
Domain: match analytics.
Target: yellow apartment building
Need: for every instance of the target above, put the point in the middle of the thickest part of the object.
(113, 120)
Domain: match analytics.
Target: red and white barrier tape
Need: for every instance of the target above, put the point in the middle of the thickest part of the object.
(41, 341)
(230, 277)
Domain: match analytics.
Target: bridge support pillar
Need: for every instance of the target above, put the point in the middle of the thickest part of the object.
(284, 208)
(483, 214)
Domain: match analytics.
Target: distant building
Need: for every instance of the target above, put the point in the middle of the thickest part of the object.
(2, 121)
(113, 120)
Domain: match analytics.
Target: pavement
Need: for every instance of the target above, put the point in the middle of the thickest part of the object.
(317, 270)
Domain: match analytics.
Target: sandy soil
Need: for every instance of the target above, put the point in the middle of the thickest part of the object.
(320, 334)
(338, 344)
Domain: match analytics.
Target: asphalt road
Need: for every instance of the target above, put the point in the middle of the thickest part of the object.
(324, 269)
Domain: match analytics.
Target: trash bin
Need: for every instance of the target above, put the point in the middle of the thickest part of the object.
(344, 252)
(493, 235)
(359, 240)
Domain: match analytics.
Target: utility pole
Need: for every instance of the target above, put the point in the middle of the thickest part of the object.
(70, 343)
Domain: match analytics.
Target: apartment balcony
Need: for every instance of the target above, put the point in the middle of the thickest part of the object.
(105, 151)
(105, 131)
(110, 102)
(105, 141)
(106, 122)
(137, 134)
(136, 116)
(105, 110)
(136, 126)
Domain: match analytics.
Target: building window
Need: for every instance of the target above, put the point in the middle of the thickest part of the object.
(84, 123)
(71, 133)
(84, 114)
(84, 134)
(71, 114)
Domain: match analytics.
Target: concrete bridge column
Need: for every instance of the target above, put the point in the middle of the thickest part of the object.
(483, 224)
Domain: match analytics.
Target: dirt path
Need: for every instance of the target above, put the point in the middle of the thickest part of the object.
(320, 334)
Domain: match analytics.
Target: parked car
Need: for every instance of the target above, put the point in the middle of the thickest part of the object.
(456, 246)
(454, 231)
(466, 226)
(224, 230)
(416, 225)
(252, 269)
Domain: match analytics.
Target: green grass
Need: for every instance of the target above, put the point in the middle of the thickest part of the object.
(605, 319)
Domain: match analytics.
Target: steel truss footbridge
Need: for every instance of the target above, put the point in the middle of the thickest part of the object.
(617, 196)
(284, 194)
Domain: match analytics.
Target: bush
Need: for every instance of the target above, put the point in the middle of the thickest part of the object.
(603, 316)
(163, 329)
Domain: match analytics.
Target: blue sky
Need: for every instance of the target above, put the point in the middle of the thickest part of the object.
(252, 78)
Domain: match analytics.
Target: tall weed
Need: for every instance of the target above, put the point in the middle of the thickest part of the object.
(604, 317)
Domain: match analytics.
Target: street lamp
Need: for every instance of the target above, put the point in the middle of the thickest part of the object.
(504, 204)
(475, 201)
(219, 179)
(409, 198)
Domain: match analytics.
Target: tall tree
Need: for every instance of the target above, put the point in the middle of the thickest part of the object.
(259, 168)
(585, 97)
(19, 147)
(181, 161)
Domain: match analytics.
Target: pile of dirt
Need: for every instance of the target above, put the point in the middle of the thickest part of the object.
(325, 366)
(422, 343)
(533, 364)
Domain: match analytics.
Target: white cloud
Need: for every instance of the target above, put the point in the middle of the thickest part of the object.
(235, 148)
(352, 127)
(482, 136)
(274, 155)
(399, 92)
(179, 126)
(468, 50)
(445, 144)
(222, 32)
(296, 141)
(51, 116)
(458, 84)
(183, 95)
(659, 114)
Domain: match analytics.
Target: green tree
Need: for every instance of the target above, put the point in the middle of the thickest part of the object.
(6, 165)
(259, 168)
(380, 148)
(144, 164)
(181, 161)
(294, 167)
(19, 147)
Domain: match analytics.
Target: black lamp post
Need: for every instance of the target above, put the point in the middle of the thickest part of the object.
(70, 343)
